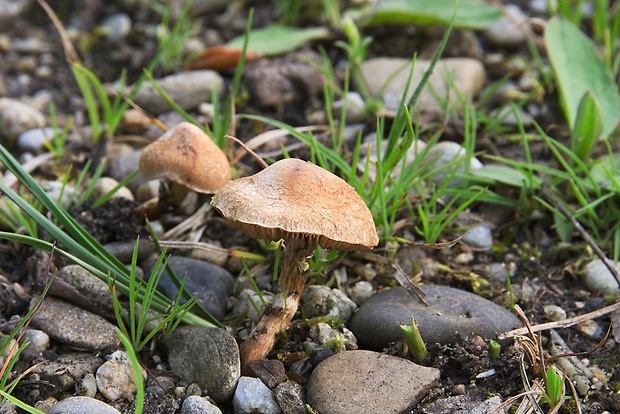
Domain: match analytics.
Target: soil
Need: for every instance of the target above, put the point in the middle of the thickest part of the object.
(527, 238)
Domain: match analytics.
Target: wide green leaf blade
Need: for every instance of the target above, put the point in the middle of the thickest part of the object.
(504, 174)
(277, 40)
(578, 69)
(471, 14)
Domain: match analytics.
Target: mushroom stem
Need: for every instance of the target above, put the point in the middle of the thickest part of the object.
(279, 314)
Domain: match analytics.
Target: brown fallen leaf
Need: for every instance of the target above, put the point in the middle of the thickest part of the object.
(220, 58)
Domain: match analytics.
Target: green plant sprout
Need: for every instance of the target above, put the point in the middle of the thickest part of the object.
(494, 350)
(133, 323)
(414, 341)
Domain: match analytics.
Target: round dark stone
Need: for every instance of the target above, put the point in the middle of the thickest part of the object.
(210, 284)
(451, 313)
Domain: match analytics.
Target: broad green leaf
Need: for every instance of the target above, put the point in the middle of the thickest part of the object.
(605, 169)
(471, 14)
(578, 69)
(504, 174)
(588, 126)
(277, 40)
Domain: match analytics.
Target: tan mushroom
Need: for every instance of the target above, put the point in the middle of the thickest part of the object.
(305, 206)
(189, 159)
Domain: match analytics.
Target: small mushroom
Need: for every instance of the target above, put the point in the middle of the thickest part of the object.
(305, 206)
(186, 157)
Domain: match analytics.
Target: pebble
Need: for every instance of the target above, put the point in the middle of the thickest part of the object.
(290, 397)
(360, 292)
(116, 27)
(94, 291)
(115, 378)
(323, 301)
(209, 284)
(208, 357)
(571, 365)
(324, 335)
(368, 382)
(38, 341)
(591, 329)
(123, 250)
(479, 237)
(106, 184)
(198, 405)
(123, 160)
(354, 106)
(554, 313)
(88, 386)
(11, 9)
(510, 30)
(252, 396)
(34, 140)
(270, 371)
(449, 312)
(58, 191)
(279, 81)
(17, 117)
(188, 89)
(80, 405)
(598, 278)
(387, 78)
(74, 326)
(446, 156)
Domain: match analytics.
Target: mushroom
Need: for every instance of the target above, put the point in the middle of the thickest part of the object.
(305, 206)
(188, 158)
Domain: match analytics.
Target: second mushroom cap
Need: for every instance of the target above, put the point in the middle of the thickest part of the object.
(186, 155)
(297, 199)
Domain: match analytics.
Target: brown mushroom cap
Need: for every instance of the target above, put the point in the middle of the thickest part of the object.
(293, 200)
(186, 155)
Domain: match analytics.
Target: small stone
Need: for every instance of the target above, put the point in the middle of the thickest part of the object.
(361, 292)
(450, 312)
(81, 405)
(479, 237)
(387, 78)
(123, 160)
(17, 117)
(368, 382)
(554, 313)
(510, 30)
(198, 405)
(281, 81)
(11, 10)
(116, 27)
(93, 292)
(88, 386)
(46, 404)
(74, 326)
(291, 398)
(599, 279)
(354, 105)
(446, 156)
(209, 284)
(186, 89)
(105, 185)
(38, 341)
(207, 356)
(115, 378)
(322, 301)
(270, 371)
(34, 140)
(591, 329)
(252, 396)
